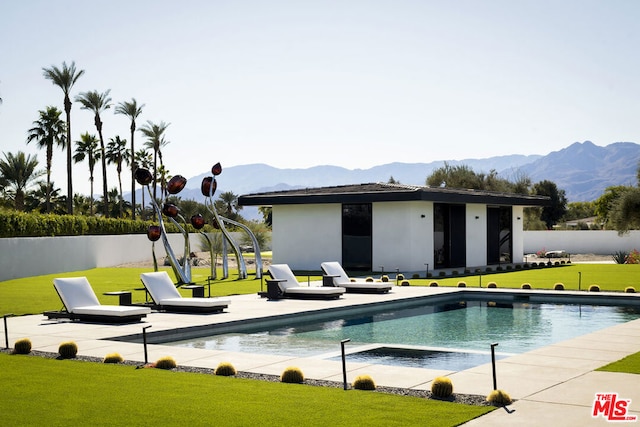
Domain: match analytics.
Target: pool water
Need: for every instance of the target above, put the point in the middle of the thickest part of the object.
(417, 336)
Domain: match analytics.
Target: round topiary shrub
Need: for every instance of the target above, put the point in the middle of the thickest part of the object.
(166, 362)
(415, 276)
(518, 266)
(364, 382)
(68, 350)
(488, 270)
(630, 290)
(525, 286)
(499, 268)
(594, 288)
(509, 267)
(113, 358)
(462, 285)
(442, 388)
(400, 277)
(454, 273)
(433, 284)
(492, 285)
(442, 273)
(22, 346)
(369, 279)
(225, 369)
(467, 271)
(499, 398)
(292, 375)
(384, 278)
(405, 283)
(558, 287)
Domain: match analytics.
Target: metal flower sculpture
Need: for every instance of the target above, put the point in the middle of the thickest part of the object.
(182, 269)
(208, 188)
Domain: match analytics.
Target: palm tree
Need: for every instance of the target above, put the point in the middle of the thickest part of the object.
(113, 201)
(18, 173)
(88, 147)
(83, 205)
(98, 102)
(231, 205)
(155, 141)
(116, 154)
(145, 160)
(131, 110)
(48, 131)
(165, 176)
(65, 78)
(46, 193)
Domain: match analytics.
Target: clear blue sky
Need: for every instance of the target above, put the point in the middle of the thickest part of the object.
(349, 83)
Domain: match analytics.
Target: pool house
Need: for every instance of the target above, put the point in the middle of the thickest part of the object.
(380, 227)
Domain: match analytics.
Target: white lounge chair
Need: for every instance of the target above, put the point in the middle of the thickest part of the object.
(340, 278)
(81, 303)
(166, 297)
(290, 288)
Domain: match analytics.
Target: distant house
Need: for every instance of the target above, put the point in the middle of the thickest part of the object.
(384, 227)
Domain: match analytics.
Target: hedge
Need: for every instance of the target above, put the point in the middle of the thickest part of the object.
(21, 224)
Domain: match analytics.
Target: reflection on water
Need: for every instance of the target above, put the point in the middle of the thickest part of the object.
(470, 325)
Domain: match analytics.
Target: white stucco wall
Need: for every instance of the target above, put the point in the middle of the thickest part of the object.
(306, 235)
(601, 242)
(476, 225)
(34, 256)
(517, 234)
(402, 235)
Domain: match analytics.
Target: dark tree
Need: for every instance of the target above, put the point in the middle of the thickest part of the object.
(551, 214)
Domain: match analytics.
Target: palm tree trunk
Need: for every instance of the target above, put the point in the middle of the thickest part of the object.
(48, 195)
(142, 207)
(133, 171)
(120, 186)
(105, 195)
(67, 110)
(91, 200)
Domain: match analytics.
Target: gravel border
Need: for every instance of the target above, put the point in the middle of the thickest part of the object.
(468, 399)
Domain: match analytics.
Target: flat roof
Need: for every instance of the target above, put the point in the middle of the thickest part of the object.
(384, 192)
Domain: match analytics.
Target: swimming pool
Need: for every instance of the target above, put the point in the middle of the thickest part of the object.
(427, 335)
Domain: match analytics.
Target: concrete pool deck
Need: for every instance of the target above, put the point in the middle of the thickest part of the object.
(554, 385)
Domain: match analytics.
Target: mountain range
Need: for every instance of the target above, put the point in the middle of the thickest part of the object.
(583, 170)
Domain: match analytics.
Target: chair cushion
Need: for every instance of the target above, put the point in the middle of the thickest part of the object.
(283, 272)
(160, 286)
(111, 310)
(333, 268)
(75, 292)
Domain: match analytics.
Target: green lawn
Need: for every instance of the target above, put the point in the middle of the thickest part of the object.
(37, 391)
(609, 277)
(629, 364)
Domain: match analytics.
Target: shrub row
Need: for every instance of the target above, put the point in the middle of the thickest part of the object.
(21, 224)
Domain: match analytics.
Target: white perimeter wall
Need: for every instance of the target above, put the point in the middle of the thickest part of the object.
(600, 242)
(35, 256)
(318, 232)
